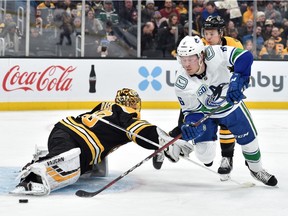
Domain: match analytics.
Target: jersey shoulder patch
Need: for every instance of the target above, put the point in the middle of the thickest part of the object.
(181, 82)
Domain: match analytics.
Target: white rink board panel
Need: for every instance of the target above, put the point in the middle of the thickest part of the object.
(64, 80)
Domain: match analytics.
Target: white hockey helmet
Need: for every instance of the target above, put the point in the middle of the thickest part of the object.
(190, 45)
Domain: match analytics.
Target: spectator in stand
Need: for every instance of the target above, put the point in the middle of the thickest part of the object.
(259, 39)
(96, 5)
(276, 35)
(168, 35)
(66, 26)
(230, 25)
(284, 33)
(168, 9)
(147, 13)
(248, 45)
(260, 21)
(12, 39)
(45, 9)
(261, 5)
(268, 29)
(148, 44)
(285, 51)
(92, 25)
(46, 5)
(233, 33)
(210, 10)
(108, 13)
(270, 51)
(183, 12)
(36, 42)
(158, 19)
(126, 14)
(272, 14)
(248, 14)
(246, 29)
(196, 16)
(77, 23)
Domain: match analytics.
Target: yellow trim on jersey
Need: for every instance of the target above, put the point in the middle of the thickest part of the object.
(229, 42)
(135, 128)
(94, 137)
(90, 145)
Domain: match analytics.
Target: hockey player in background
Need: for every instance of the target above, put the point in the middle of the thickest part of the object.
(77, 144)
(204, 82)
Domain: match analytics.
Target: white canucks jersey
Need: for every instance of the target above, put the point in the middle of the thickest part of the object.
(207, 91)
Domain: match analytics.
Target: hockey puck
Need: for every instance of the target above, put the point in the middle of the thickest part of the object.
(23, 200)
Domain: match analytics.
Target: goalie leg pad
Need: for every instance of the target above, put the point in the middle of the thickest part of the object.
(54, 173)
(205, 151)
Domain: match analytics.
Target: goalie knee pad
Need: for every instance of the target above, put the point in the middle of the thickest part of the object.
(53, 173)
(205, 151)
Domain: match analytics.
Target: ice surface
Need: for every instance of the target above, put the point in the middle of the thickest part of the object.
(177, 189)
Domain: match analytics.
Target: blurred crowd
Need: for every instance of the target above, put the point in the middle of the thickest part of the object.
(111, 27)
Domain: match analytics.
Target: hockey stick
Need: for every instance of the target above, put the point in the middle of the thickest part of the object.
(246, 184)
(82, 193)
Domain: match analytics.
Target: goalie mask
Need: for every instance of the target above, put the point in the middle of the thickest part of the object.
(128, 97)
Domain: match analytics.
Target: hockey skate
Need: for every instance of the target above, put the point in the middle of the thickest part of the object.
(225, 168)
(264, 177)
(158, 160)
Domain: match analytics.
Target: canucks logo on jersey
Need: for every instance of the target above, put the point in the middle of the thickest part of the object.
(213, 100)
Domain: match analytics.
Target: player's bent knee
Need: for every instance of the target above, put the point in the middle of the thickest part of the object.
(205, 151)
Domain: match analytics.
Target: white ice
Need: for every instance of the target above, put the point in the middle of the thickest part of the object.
(177, 189)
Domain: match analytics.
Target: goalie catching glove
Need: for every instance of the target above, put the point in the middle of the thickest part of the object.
(179, 147)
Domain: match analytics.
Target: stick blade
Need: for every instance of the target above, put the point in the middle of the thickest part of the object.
(82, 193)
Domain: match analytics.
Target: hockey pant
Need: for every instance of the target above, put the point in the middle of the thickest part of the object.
(240, 123)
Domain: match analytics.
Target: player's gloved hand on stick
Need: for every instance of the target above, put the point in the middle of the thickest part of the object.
(173, 152)
(190, 132)
(237, 84)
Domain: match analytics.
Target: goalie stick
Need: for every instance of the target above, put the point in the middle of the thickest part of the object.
(83, 193)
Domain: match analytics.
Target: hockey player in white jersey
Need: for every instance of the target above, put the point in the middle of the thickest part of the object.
(204, 83)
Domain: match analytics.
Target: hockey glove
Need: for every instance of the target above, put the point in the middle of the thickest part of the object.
(190, 132)
(237, 84)
(173, 152)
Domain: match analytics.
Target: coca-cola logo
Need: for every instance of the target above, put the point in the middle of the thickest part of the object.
(54, 77)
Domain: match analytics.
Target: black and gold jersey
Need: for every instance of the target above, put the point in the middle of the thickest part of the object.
(97, 138)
